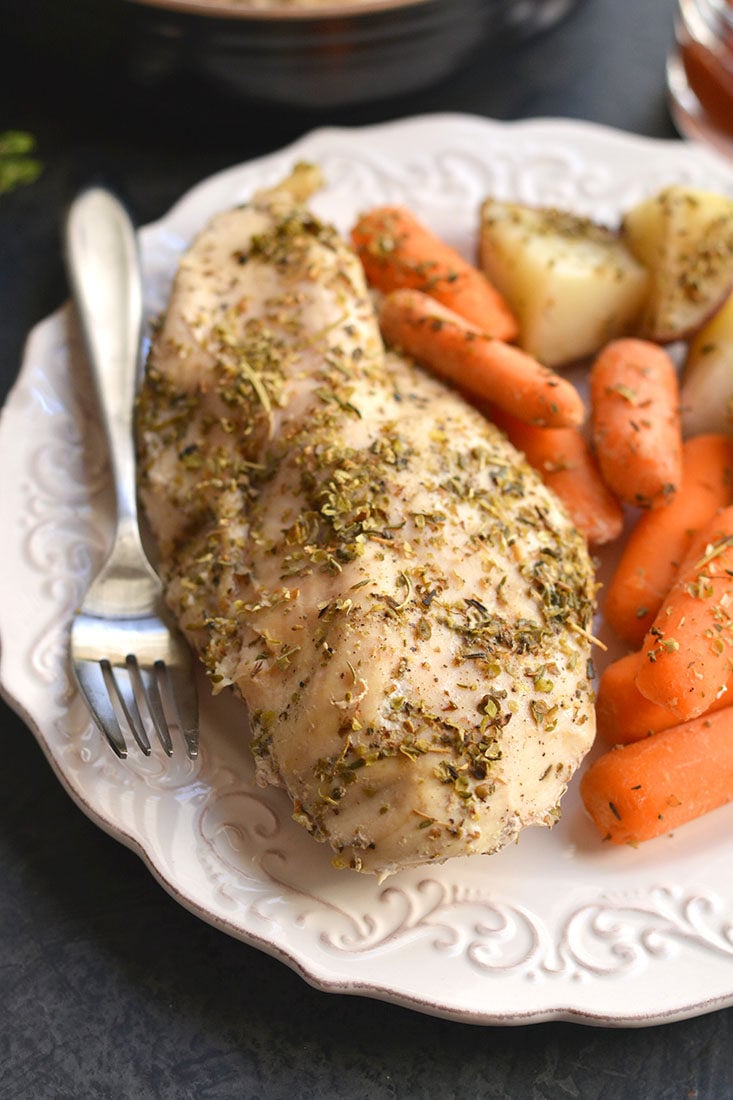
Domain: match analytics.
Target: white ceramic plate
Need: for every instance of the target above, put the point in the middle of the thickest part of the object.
(559, 926)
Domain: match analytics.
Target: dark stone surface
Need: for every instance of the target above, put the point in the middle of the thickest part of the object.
(108, 988)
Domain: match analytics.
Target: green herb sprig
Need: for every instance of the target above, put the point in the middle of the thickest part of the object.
(17, 165)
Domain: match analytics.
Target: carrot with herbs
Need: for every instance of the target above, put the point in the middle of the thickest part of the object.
(657, 544)
(635, 421)
(397, 250)
(563, 459)
(688, 651)
(639, 791)
(624, 715)
(489, 369)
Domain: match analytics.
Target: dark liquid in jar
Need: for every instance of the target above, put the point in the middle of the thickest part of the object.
(709, 74)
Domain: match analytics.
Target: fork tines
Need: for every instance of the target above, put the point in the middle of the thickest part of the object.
(129, 699)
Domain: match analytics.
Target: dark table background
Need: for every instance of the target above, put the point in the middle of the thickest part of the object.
(108, 988)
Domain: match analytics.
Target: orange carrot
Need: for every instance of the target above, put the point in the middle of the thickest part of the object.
(636, 792)
(624, 715)
(689, 649)
(456, 350)
(635, 421)
(565, 463)
(659, 541)
(396, 250)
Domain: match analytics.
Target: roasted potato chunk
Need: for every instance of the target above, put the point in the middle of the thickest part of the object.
(572, 283)
(684, 237)
(706, 397)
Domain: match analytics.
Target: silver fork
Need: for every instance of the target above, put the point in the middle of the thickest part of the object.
(133, 667)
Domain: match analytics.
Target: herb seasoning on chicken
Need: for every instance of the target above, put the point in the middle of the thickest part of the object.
(401, 603)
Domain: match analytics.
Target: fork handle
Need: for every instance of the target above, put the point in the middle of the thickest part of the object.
(104, 270)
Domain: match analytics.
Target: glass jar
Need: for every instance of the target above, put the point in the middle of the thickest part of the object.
(700, 72)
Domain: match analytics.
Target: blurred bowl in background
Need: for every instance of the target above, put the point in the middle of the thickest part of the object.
(330, 54)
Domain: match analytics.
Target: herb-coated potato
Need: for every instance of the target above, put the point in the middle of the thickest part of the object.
(572, 283)
(706, 396)
(684, 237)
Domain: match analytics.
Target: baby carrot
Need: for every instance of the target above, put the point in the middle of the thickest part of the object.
(624, 715)
(397, 250)
(689, 649)
(636, 792)
(635, 421)
(657, 544)
(565, 463)
(490, 369)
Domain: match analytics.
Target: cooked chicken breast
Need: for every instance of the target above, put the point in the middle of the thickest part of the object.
(398, 599)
